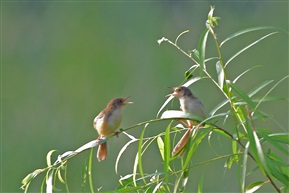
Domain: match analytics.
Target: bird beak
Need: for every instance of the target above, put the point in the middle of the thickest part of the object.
(127, 102)
(172, 94)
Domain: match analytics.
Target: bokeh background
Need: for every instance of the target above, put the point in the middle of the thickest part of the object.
(63, 61)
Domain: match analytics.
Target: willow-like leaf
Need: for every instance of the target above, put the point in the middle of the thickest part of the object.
(49, 180)
(244, 31)
(48, 157)
(139, 153)
(220, 73)
(260, 87)
(242, 94)
(253, 187)
(176, 41)
(121, 152)
(167, 152)
(194, 146)
(243, 73)
(202, 50)
(89, 171)
(247, 47)
(271, 90)
(244, 167)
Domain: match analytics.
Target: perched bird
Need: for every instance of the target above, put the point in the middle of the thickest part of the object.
(107, 122)
(189, 104)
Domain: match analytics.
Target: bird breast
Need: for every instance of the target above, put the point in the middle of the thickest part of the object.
(108, 123)
(193, 106)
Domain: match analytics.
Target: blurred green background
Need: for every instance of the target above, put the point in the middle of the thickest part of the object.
(63, 61)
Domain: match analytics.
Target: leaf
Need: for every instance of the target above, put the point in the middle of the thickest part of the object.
(236, 34)
(194, 147)
(274, 142)
(88, 145)
(242, 94)
(202, 49)
(254, 186)
(167, 153)
(180, 115)
(160, 143)
(49, 180)
(244, 49)
(260, 87)
(270, 91)
(48, 157)
(89, 170)
(176, 41)
(244, 167)
(220, 73)
(235, 80)
(139, 153)
(121, 152)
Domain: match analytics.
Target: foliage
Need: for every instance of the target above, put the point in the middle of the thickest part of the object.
(247, 139)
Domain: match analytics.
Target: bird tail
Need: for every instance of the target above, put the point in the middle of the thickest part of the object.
(102, 151)
(181, 144)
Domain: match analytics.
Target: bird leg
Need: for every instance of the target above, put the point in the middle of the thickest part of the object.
(188, 124)
(116, 133)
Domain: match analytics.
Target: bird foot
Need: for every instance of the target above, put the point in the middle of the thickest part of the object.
(116, 133)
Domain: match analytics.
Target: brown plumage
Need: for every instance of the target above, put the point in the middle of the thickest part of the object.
(189, 104)
(107, 122)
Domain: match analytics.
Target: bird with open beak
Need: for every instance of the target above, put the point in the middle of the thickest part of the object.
(189, 104)
(107, 122)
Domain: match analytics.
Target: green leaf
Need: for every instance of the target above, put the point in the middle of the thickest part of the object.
(139, 153)
(176, 41)
(161, 146)
(194, 147)
(270, 91)
(220, 73)
(167, 153)
(260, 87)
(243, 73)
(250, 45)
(121, 152)
(274, 142)
(49, 180)
(242, 94)
(202, 49)
(236, 34)
(89, 170)
(48, 157)
(254, 186)
(244, 167)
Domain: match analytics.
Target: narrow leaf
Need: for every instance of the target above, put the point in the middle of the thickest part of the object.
(242, 94)
(244, 167)
(236, 34)
(220, 73)
(161, 146)
(139, 153)
(120, 154)
(202, 49)
(167, 153)
(89, 170)
(48, 157)
(250, 45)
(254, 186)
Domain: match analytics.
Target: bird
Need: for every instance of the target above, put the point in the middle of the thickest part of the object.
(189, 103)
(107, 122)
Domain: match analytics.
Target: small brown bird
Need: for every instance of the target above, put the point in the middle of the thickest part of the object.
(107, 122)
(189, 104)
